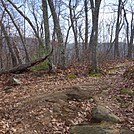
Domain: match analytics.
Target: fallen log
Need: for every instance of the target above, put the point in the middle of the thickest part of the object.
(24, 67)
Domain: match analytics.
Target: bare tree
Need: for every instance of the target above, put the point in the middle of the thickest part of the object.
(110, 26)
(11, 44)
(46, 24)
(73, 19)
(1, 46)
(129, 29)
(4, 31)
(29, 22)
(95, 6)
(86, 23)
(118, 26)
(58, 33)
(18, 29)
(47, 32)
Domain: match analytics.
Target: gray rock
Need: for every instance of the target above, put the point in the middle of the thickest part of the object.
(76, 93)
(101, 113)
(124, 131)
(89, 130)
(17, 81)
(96, 129)
(13, 81)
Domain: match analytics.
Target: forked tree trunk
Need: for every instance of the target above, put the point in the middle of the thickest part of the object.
(74, 28)
(47, 32)
(58, 33)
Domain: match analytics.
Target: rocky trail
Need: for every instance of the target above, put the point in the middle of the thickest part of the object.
(56, 104)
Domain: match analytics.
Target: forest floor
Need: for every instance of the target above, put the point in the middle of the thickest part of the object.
(40, 103)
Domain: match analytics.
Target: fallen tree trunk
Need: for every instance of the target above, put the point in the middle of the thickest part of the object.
(23, 67)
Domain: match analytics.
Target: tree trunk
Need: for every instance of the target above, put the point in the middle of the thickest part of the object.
(1, 65)
(130, 44)
(13, 57)
(95, 5)
(16, 52)
(74, 28)
(47, 33)
(86, 24)
(58, 33)
(131, 29)
(46, 25)
(18, 29)
(116, 44)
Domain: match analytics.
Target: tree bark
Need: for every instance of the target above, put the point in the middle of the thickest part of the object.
(95, 6)
(86, 24)
(74, 28)
(130, 44)
(46, 25)
(13, 57)
(18, 29)
(46, 29)
(58, 33)
(1, 46)
(131, 38)
(116, 44)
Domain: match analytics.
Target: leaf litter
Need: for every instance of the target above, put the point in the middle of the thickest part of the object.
(22, 109)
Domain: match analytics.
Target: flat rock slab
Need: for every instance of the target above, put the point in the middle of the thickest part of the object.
(69, 94)
(86, 129)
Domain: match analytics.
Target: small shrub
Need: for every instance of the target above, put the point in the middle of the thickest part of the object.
(71, 76)
(129, 73)
(93, 74)
(41, 66)
(128, 91)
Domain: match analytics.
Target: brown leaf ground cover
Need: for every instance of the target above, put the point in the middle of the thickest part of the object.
(39, 105)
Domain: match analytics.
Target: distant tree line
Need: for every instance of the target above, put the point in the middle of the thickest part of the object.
(30, 29)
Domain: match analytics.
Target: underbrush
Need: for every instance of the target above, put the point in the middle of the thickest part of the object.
(71, 76)
(129, 79)
(129, 73)
(40, 67)
(129, 91)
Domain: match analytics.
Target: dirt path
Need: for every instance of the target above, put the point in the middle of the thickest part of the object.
(51, 104)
